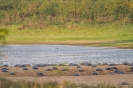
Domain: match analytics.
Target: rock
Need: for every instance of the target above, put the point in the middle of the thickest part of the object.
(25, 68)
(108, 68)
(17, 65)
(116, 71)
(4, 70)
(43, 65)
(78, 67)
(125, 83)
(11, 73)
(38, 65)
(81, 70)
(55, 68)
(93, 66)
(76, 75)
(23, 65)
(48, 69)
(40, 74)
(73, 64)
(88, 64)
(114, 67)
(125, 63)
(98, 69)
(34, 67)
(99, 64)
(121, 72)
(5, 65)
(94, 73)
(112, 64)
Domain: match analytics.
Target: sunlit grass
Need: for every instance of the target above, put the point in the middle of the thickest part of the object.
(110, 34)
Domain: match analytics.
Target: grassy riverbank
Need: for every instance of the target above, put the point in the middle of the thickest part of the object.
(83, 22)
(110, 34)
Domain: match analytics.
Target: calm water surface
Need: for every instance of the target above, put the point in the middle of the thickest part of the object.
(55, 54)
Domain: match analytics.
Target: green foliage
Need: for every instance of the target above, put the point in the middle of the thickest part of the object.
(131, 17)
(3, 32)
(63, 11)
(51, 10)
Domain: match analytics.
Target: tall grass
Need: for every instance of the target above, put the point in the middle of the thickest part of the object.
(5, 83)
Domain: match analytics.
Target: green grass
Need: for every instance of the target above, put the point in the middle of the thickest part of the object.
(6, 83)
(113, 34)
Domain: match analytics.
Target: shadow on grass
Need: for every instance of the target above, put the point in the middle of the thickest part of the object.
(126, 44)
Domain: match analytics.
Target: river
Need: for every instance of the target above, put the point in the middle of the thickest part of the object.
(55, 54)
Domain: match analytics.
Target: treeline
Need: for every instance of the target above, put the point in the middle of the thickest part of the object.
(58, 12)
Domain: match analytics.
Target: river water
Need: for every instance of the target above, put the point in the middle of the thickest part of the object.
(55, 54)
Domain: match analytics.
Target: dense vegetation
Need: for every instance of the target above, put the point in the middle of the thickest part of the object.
(5, 83)
(60, 12)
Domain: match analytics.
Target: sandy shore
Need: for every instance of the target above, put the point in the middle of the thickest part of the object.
(104, 76)
(88, 70)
